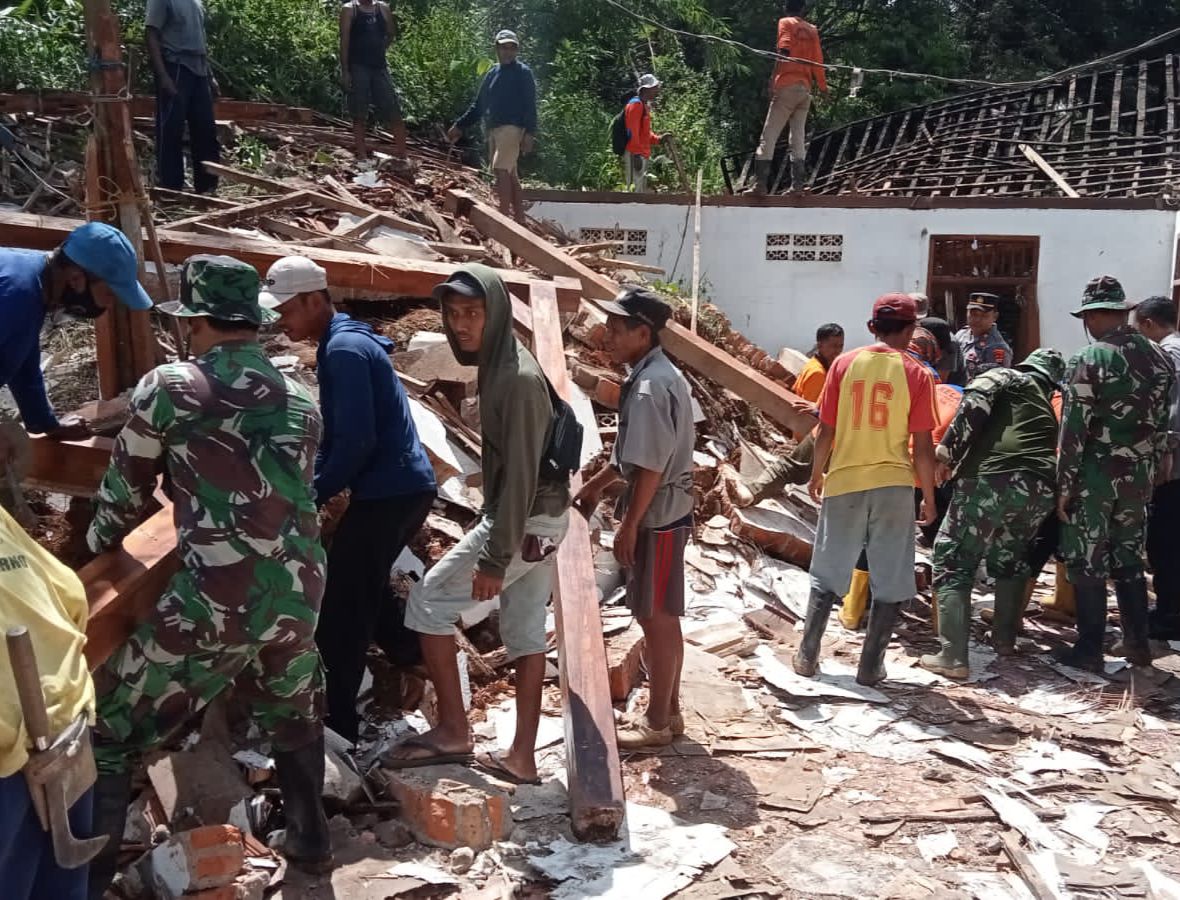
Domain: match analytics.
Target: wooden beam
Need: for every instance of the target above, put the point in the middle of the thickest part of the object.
(390, 275)
(75, 468)
(752, 386)
(66, 102)
(236, 214)
(1041, 163)
(592, 754)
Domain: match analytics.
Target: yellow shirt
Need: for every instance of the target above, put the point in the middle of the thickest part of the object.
(45, 596)
(810, 383)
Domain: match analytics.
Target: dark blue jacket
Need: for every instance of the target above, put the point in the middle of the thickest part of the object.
(22, 313)
(507, 96)
(370, 443)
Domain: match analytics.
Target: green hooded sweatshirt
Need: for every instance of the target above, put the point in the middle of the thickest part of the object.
(516, 417)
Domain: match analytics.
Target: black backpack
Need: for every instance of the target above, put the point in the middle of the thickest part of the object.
(618, 133)
(563, 453)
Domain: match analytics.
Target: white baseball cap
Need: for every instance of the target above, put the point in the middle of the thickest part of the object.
(507, 37)
(289, 277)
(648, 81)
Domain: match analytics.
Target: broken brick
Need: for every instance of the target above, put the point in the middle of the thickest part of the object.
(624, 662)
(450, 806)
(198, 860)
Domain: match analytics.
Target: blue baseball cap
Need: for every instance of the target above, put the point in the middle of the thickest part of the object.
(106, 254)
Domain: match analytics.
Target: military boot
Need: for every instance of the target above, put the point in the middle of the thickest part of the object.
(1012, 596)
(306, 841)
(819, 608)
(1090, 601)
(872, 656)
(852, 610)
(762, 169)
(954, 623)
(112, 793)
(1132, 598)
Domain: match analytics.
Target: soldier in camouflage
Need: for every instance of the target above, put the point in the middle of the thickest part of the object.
(1114, 434)
(237, 442)
(1001, 447)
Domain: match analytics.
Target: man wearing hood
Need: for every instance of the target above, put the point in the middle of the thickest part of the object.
(1001, 449)
(510, 553)
(371, 449)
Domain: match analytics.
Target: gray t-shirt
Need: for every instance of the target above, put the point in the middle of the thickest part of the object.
(1171, 346)
(181, 24)
(656, 433)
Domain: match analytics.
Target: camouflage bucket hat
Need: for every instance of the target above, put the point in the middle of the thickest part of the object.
(1103, 292)
(1046, 362)
(220, 287)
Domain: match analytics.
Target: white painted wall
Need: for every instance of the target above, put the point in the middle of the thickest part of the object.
(780, 303)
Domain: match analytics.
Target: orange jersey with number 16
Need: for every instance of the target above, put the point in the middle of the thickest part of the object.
(875, 398)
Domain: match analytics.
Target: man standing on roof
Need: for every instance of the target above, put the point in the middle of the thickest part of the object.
(984, 348)
(366, 31)
(371, 449)
(507, 102)
(511, 551)
(236, 441)
(1001, 449)
(640, 136)
(1114, 437)
(84, 277)
(790, 94)
(185, 88)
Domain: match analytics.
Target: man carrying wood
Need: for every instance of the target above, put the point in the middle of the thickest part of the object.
(877, 398)
(185, 88)
(366, 31)
(370, 449)
(42, 595)
(84, 277)
(1155, 318)
(1114, 437)
(653, 458)
(1001, 449)
(507, 102)
(984, 348)
(511, 551)
(790, 94)
(237, 442)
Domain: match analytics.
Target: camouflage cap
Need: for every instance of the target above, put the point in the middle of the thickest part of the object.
(1104, 292)
(219, 287)
(1045, 361)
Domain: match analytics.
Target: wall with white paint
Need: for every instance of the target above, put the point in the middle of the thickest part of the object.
(780, 303)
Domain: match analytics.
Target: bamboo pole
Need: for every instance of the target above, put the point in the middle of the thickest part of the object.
(696, 254)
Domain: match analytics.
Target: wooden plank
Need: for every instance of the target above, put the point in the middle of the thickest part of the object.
(237, 214)
(755, 388)
(592, 755)
(67, 102)
(75, 468)
(1039, 161)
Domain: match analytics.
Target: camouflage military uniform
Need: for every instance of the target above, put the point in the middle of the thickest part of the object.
(1114, 433)
(237, 441)
(994, 515)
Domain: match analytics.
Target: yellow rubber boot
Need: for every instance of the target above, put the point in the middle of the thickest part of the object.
(1064, 602)
(852, 612)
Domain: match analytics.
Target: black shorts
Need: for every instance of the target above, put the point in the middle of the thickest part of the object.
(656, 583)
(372, 86)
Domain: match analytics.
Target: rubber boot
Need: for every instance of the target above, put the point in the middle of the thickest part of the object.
(1012, 598)
(1132, 598)
(987, 616)
(798, 175)
(954, 622)
(1090, 598)
(306, 841)
(1063, 606)
(762, 169)
(852, 612)
(819, 608)
(872, 656)
(112, 793)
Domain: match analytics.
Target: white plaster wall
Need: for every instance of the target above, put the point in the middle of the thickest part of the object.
(781, 303)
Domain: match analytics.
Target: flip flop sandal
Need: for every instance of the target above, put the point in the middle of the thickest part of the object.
(493, 765)
(436, 756)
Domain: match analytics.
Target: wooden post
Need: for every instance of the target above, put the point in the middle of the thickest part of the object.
(696, 254)
(592, 755)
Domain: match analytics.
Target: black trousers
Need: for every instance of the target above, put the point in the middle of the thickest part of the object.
(191, 105)
(370, 538)
(1044, 545)
(1163, 551)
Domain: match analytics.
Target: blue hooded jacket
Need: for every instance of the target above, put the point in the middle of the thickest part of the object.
(22, 313)
(370, 443)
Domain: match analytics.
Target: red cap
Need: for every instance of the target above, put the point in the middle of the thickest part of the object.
(898, 307)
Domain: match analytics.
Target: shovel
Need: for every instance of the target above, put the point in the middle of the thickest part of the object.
(49, 797)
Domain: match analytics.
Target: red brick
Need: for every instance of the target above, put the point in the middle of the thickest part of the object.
(624, 662)
(450, 806)
(198, 860)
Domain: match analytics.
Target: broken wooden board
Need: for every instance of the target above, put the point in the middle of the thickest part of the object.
(74, 468)
(62, 103)
(691, 349)
(779, 533)
(595, 776)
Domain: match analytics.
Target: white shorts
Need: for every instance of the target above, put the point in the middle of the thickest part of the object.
(504, 147)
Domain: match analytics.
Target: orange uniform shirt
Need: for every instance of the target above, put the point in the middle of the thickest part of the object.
(810, 383)
(875, 398)
(799, 39)
(637, 118)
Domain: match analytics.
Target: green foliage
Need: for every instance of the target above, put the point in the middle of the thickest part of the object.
(41, 45)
